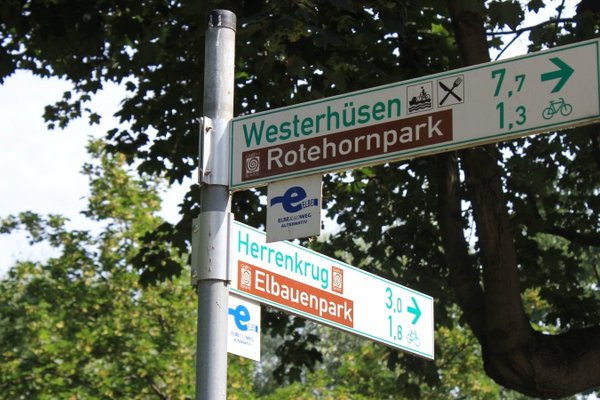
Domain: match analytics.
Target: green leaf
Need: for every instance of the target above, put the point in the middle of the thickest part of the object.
(535, 5)
(507, 13)
(94, 118)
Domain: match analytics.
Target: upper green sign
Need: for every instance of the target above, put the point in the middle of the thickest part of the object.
(539, 92)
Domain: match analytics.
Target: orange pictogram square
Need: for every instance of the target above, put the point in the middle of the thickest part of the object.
(337, 275)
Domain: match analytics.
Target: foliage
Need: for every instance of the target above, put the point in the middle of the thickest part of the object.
(402, 214)
(354, 368)
(80, 325)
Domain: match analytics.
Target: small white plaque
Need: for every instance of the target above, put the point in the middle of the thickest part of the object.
(243, 336)
(294, 208)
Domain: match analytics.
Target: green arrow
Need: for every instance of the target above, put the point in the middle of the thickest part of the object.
(563, 73)
(414, 310)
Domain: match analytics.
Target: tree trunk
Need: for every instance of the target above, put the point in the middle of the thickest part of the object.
(514, 354)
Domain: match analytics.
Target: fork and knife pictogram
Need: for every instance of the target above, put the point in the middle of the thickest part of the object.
(450, 91)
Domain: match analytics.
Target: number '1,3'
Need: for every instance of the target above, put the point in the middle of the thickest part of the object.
(521, 112)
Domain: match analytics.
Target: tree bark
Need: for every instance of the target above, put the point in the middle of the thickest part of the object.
(464, 275)
(515, 355)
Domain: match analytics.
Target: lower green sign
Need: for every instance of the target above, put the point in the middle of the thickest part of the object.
(306, 283)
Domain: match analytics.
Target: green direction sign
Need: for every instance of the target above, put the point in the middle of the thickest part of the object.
(539, 92)
(306, 283)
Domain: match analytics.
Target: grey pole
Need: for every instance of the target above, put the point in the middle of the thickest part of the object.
(210, 248)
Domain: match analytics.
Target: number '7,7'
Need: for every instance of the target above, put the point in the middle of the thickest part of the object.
(500, 74)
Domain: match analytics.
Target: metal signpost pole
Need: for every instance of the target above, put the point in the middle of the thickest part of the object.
(211, 229)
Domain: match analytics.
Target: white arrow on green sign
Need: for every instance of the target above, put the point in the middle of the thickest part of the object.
(306, 283)
(539, 92)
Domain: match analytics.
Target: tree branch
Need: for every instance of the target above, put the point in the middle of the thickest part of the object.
(540, 224)
(530, 28)
(560, 10)
(156, 389)
(519, 32)
(551, 366)
(507, 46)
(595, 137)
(507, 324)
(514, 354)
(464, 275)
(586, 239)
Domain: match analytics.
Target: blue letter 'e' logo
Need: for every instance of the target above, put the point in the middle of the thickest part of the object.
(241, 315)
(291, 199)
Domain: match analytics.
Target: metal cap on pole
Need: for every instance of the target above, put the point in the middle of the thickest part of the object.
(222, 19)
(211, 229)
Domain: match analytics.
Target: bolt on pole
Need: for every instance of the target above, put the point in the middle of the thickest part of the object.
(210, 237)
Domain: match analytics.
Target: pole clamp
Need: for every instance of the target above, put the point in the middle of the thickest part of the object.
(211, 251)
(214, 151)
(206, 130)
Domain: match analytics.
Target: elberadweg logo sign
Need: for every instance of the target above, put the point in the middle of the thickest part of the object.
(243, 336)
(294, 208)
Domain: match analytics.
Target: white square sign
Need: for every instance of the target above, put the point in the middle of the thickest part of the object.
(243, 328)
(294, 208)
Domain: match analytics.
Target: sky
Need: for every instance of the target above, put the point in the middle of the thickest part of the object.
(40, 169)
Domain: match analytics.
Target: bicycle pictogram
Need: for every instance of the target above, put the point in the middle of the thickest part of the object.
(412, 337)
(555, 107)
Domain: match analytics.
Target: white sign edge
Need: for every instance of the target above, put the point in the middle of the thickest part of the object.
(334, 324)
